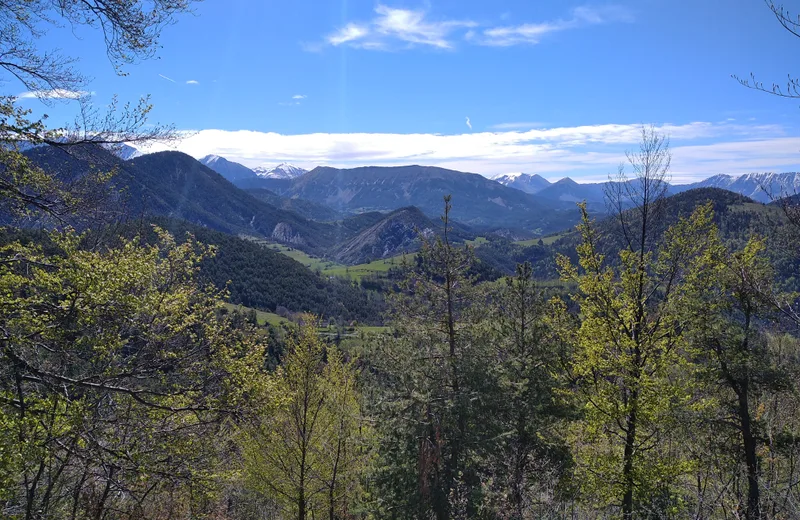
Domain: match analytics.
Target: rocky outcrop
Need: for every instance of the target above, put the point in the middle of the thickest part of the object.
(283, 232)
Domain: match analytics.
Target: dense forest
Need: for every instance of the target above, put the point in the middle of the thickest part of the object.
(658, 378)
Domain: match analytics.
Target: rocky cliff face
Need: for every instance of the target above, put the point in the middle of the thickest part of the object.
(283, 232)
(397, 233)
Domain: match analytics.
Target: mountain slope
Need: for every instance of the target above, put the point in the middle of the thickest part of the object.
(230, 170)
(737, 218)
(567, 190)
(394, 234)
(304, 208)
(278, 186)
(477, 201)
(176, 185)
(529, 183)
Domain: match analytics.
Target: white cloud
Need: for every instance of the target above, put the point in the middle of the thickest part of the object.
(192, 82)
(167, 78)
(392, 26)
(295, 100)
(532, 33)
(348, 33)
(58, 93)
(469, 124)
(586, 153)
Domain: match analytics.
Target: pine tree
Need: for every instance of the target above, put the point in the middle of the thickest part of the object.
(429, 407)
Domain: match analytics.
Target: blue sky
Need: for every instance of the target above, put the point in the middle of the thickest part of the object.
(551, 87)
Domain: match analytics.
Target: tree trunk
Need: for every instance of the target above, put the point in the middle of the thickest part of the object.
(627, 469)
(751, 458)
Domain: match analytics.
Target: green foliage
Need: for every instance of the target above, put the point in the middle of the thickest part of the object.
(25, 188)
(306, 447)
(628, 366)
(529, 456)
(116, 372)
(429, 412)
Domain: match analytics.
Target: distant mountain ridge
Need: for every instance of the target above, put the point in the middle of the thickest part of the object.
(477, 201)
(282, 171)
(527, 182)
(232, 171)
(761, 187)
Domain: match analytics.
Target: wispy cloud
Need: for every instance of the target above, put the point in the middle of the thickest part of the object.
(348, 33)
(167, 78)
(54, 94)
(297, 99)
(192, 82)
(394, 27)
(532, 33)
(590, 152)
(469, 123)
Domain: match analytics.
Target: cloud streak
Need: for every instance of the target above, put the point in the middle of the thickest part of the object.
(395, 28)
(590, 152)
(54, 94)
(192, 82)
(392, 28)
(167, 78)
(532, 33)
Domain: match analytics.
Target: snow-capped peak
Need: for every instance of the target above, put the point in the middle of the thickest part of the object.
(507, 176)
(124, 151)
(210, 159)
(282, 171)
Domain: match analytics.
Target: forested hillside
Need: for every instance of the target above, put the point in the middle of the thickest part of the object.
(258, 277)
(737, 218)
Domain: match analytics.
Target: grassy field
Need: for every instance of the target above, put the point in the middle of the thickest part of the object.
(331, 268)
(477, 242)
(355, 272)
(545, 240)
(313, 263)
(268, 318)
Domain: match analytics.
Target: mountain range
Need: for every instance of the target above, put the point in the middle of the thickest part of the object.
(350, 215)
(234, 171)
(761, 187)
(173, 184)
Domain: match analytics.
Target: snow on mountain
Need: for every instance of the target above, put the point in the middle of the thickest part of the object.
(230, 170)
(762, 187)
(529, 183)
(124, 151)
(208, 160)
(282, 171)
